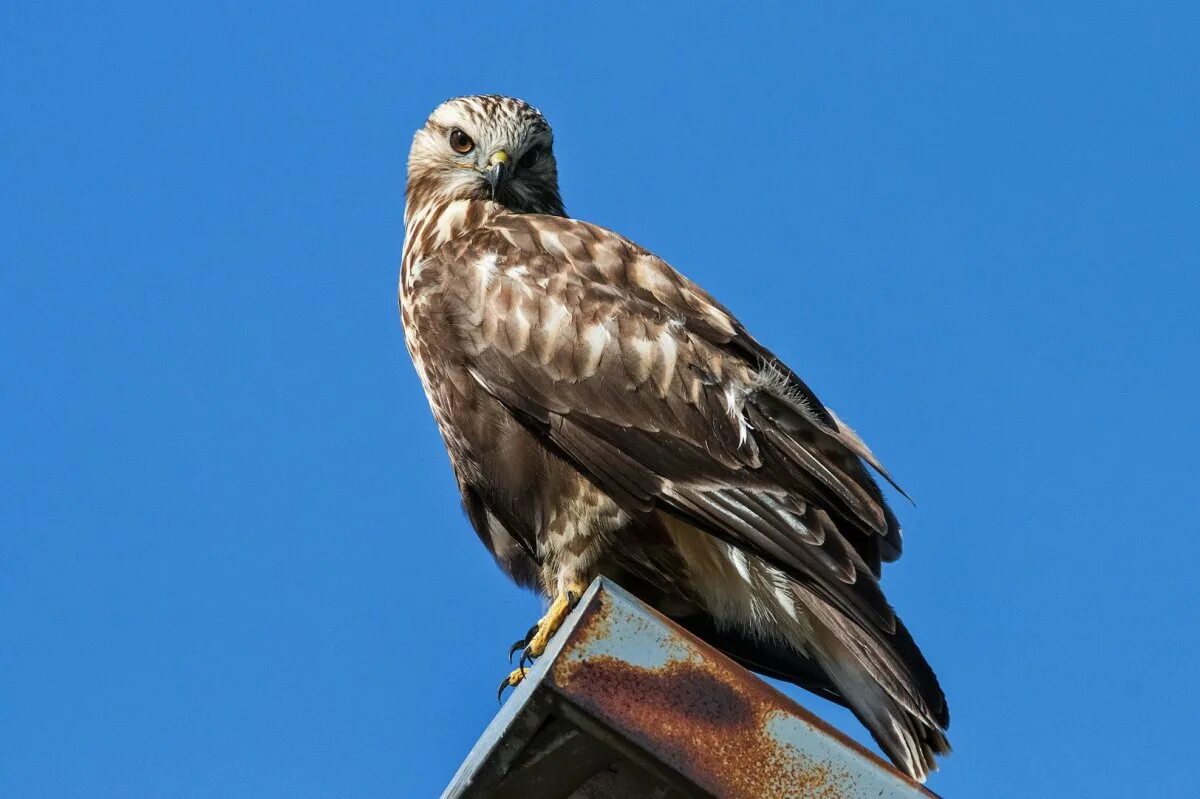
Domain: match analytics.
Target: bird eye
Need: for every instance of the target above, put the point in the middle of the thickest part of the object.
(530, 158)
(461, 142)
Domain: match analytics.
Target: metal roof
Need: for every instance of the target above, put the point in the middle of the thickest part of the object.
(626, 704)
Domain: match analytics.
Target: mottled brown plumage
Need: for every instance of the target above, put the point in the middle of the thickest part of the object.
(605, 415)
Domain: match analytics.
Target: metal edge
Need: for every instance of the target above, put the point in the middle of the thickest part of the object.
(519, 718)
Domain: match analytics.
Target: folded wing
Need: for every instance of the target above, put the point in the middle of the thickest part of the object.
(643, 381)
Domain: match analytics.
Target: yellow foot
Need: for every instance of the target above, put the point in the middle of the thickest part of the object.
(538, 638)
(511, 681)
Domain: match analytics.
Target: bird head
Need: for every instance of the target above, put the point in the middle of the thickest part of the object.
(485, 147)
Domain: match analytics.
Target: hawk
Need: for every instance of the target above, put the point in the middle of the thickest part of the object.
(605, 415)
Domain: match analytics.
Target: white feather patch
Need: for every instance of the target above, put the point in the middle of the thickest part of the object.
(782, 589)
(551, 242)
(486, 268)
(450, 219)
(517, 328)
(739, 562)
(668, 355)
(414, 273)
(734, 399)
(553, 317)
(641, 357)
(593, 341)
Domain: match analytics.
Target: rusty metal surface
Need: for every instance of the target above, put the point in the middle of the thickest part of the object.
(630, 696)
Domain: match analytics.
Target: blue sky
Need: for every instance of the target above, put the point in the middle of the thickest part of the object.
(233, 562)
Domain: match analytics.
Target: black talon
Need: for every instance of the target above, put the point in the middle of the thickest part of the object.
(505, 684)
(512, 650)
(526, 657)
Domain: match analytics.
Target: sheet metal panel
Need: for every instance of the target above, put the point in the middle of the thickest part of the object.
(624, 697)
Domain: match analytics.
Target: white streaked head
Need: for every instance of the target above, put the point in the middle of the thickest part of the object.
(485, 147)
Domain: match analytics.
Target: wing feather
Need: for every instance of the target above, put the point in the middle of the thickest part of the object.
(655, 392)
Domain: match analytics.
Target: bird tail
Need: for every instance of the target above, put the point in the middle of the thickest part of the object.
(889, 686)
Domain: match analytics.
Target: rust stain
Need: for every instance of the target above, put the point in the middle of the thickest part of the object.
(690, 715)
(595, 620)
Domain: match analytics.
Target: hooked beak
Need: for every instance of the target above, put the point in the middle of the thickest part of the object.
(496, 169)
